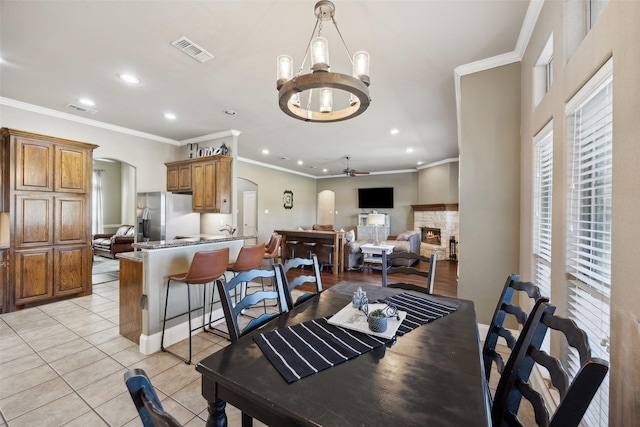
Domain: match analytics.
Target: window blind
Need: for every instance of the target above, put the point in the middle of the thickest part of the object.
(542, 192)
(588, 254)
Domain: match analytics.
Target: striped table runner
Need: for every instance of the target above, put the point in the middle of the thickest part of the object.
(307, 348)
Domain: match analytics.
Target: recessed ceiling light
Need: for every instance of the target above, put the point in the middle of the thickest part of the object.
(420, 162)
(87, 101)
(265, 151)
(325, 170)
(129, 78)
(169, 116)
(300, 162)
(394, 131)
(230, 112)
(409, 150)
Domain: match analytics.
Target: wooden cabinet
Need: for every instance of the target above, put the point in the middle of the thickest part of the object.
(50, 216)
(130, 294)
(33, 276)
(3, 272)
(179, 178)
(209, 181)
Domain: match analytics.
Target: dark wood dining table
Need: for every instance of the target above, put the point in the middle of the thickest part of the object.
(431, 376)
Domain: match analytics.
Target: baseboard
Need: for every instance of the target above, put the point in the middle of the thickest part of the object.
(150, 344)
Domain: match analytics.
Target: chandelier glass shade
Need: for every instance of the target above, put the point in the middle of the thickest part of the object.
(317, 87)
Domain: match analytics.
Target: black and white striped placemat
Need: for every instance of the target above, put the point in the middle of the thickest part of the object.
(420, 310)
(307, 348)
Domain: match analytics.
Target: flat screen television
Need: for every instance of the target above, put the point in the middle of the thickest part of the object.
(375, 198)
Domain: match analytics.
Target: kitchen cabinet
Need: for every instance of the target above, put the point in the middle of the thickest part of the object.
(179, 178)
(210, 182)
(50, 211)
(3, 271)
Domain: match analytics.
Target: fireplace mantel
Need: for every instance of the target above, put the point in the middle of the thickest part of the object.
(436, 207)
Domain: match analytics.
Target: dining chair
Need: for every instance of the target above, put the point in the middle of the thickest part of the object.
(232, 312)
(297, 281)
(206, 267)
(389, 268)
(575, 392)
(146, 400)
(508, 304)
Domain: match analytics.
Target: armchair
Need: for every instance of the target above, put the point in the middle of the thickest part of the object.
(108, 245)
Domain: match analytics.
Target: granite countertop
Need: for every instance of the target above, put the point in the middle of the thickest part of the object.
(189, 241)
(131, 256)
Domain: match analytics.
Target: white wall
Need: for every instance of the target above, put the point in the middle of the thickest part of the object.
(271, 185)
(405, 193)
(147, 156)
(489, 185)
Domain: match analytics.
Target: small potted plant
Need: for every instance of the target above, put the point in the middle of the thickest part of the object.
(377, 320)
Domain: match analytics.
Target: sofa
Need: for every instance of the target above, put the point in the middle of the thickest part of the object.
(407, 241)
(109, 245)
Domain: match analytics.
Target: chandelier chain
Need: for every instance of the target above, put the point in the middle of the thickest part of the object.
(335, 24)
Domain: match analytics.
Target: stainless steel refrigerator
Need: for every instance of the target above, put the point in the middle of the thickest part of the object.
(165, 216)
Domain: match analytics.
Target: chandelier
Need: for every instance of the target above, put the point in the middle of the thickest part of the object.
(299, 94)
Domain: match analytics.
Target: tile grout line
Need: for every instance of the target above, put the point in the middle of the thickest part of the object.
(73, 389)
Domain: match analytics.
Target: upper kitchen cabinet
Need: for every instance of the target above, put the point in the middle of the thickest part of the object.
(179, 177)
(42, 165)
(208, 179)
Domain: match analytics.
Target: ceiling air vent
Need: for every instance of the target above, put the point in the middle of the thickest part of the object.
(82, 109)
(192, 49)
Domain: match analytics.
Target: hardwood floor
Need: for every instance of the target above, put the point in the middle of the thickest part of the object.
(446, 281)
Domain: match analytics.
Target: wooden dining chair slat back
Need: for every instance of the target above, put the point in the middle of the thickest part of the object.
(297, 281)
(389, 268)
(575, 392)
(150, 410)
(508, 304)
(228, 292)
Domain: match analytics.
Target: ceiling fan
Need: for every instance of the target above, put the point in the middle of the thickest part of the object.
(352, 172)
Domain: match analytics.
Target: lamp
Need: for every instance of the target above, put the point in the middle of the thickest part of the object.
(376, 220)
(290, 87)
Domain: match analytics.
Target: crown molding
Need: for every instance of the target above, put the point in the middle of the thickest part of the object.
(268, 166)
(441, 162)
(89, 122)
(528, 25)
(211, 136)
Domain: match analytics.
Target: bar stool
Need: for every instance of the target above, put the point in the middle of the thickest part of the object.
(206, 267)
(250, 257)
(271, 252)
(329, 263)
(291, 244)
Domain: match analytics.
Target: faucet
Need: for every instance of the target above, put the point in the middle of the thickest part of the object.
(228, 229)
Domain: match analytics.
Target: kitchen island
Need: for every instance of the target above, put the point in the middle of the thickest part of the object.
(143, 282)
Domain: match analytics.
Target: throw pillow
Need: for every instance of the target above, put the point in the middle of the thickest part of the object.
(350, 236)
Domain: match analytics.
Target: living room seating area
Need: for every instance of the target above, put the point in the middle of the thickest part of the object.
(407, 241)
(109, 245)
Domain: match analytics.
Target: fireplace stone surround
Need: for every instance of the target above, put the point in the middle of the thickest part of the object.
(442, 216)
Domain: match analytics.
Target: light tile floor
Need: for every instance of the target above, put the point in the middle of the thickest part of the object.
(63, 364)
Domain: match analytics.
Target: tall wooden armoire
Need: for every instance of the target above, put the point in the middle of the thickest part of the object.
(46, 201)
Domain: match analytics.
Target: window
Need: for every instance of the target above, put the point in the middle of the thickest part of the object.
(595, 8)
(543, 180)
(543, 72)
(588, 255)
(542, 191)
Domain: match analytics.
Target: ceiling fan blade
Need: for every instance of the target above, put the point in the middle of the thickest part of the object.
(360, 173)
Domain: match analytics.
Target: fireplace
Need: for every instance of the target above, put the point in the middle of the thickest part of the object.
(437, 224)
(430, 235)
